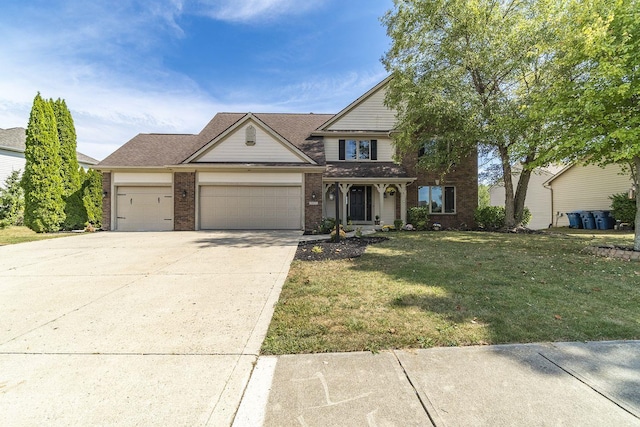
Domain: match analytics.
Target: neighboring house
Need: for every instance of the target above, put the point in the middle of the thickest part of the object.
(578, 187)
(12, 145)
(279, 171)
(538, 198)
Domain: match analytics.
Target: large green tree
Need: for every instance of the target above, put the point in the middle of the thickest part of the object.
(464, 76)
(595, 97)
(41, 180)
(75, 212)
(69, 171)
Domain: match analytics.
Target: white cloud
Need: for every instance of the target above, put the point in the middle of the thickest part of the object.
(255, 10)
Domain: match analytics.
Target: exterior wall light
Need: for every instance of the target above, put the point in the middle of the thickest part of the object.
(105, 193)
(184, 194)
(313, 195)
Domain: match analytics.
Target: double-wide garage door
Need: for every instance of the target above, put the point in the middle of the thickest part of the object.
(144, 209)
(250, 207)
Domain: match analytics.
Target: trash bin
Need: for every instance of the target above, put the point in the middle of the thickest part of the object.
(604, 220)
(574, 220)
(588, 221)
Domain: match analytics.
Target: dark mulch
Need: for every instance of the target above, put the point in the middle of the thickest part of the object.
(321, 250)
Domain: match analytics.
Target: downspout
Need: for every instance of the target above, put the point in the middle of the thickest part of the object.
(552, 207)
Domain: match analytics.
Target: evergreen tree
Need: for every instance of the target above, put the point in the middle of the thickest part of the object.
(11, 201)
(41, 181)
(75, 212)
(67, 135)
(92, 197)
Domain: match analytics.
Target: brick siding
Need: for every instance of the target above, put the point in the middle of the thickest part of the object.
(463, 176)
(106, 201)
(312, 213)
(184, 208)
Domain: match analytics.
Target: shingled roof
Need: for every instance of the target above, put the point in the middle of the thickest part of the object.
(365, 170)
(149, 150)
(15, 139)
(152, 149)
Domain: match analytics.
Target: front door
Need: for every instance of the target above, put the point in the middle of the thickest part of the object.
(360, 203)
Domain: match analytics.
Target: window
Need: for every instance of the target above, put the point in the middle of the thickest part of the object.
(438, 199)
(352, 149)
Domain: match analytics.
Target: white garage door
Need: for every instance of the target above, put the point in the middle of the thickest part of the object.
(250, 208)
(144, 209)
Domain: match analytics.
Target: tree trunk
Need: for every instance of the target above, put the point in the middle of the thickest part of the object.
(636, 182)
(521, 196)
(509, 211)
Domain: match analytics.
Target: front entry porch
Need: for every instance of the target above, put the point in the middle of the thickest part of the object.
(365, 202)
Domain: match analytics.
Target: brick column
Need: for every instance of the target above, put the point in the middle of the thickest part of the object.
(106, 201)
(312, 208)
(184, 201)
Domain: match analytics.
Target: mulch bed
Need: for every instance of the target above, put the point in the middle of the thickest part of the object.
(321, 250)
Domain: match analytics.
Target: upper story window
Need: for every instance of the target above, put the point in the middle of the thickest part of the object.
(358, 149)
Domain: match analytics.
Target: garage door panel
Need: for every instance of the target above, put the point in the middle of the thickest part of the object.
(250, 207)
(144, 209)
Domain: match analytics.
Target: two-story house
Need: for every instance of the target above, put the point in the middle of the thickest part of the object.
(279, 171)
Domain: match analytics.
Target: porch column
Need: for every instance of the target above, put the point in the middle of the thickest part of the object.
(402, 189)
(381, 189)
(325, 197)
(344, 189)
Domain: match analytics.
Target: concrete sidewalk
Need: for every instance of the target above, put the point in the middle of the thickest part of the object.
(560, 384)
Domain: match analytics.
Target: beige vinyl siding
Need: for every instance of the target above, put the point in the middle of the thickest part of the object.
(370, 114)
(10, 161)
(250, 178)
(233, 148)
(538, 199)
(587, 188)
(142, 178)
(385, 148)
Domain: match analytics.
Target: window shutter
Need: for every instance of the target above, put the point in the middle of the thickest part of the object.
(341, 155)
(374, 149)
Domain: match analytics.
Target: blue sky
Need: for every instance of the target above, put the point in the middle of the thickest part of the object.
(134, 66)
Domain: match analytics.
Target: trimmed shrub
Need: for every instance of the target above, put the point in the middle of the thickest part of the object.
(11, 201)
(418, 217)
(326, 225)
(490, 217)
(92, 197)
(494, 218)
(343, 235)
(623, 208)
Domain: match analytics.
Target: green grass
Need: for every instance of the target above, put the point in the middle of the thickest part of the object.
(13, 235)
(429, 289)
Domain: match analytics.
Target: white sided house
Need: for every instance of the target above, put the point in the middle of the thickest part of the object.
(271, 171)
(538, 198)
(12, 145)
(580, 187)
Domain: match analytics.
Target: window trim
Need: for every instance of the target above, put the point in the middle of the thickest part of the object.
(343, 145)
(444, 203)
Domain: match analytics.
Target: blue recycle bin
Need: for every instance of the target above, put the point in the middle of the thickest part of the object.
(604, 220)
(588, 220)
(574, 220)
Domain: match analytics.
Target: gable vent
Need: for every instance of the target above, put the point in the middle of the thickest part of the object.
(250, 135)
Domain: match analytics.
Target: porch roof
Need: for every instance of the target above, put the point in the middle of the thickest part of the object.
(364, 170)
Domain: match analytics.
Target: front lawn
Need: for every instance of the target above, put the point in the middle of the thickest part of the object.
(429, 289)
(12, 235)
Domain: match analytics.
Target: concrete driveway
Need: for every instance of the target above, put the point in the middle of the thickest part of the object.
(135, 328)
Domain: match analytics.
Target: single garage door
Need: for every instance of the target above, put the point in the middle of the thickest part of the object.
(144, 209)
(250, 208)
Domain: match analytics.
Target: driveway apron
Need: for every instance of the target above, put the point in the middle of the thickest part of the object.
(135, 328)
